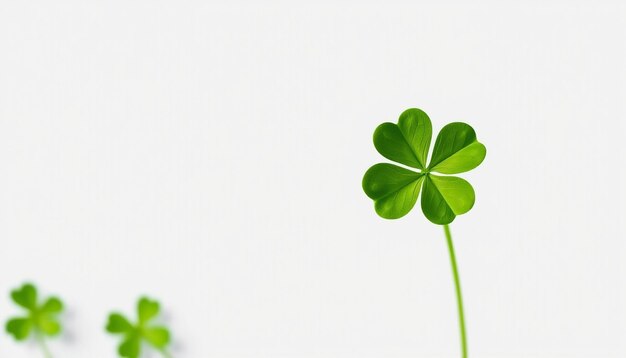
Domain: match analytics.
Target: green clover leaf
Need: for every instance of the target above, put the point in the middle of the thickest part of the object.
(395, 189)
(40, 319)
(142, 332)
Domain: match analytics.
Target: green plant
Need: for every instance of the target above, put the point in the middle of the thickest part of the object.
(142, 332)
(395, 189)
(41, 319)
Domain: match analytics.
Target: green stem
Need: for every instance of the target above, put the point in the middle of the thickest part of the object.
(165, 353)
(457, 283)
(42, 344)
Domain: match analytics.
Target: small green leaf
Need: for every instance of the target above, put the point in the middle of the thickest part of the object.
(394, 189)
(457, 193)
(118, 324)
(26, 296)
(408, 141)
(383, 179)
(130, 347)
(159, 337)
(446, 197)
(147, 309)
(19, 328)
(52, 305)
(456, 150)
(434, 205)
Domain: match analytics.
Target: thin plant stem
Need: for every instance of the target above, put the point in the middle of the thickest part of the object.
(42, 344)
(457, 284)
(165, 353)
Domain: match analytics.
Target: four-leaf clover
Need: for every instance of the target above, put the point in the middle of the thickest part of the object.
(395, 189)
(40, 319)
(142, 332)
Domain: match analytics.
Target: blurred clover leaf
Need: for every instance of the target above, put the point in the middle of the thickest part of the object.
(395, 189)
(135, 335)
(40, 320)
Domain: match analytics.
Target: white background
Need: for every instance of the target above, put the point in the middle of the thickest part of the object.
(211, 155)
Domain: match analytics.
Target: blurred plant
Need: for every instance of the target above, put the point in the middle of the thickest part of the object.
(40, 319)
(135, 335)
(395, 189)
